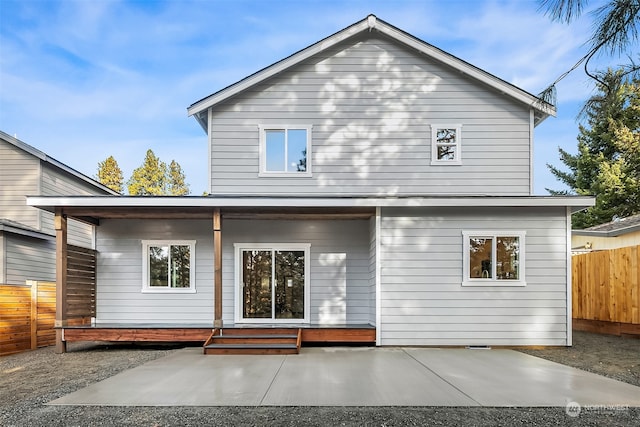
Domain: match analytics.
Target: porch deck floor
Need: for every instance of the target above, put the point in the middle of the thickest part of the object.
(363, 376)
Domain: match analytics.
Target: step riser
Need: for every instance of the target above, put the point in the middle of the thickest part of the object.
(256, 340)
(258, 331)
(240, 351)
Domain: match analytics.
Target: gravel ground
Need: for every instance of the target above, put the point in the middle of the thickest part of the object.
(29, 380)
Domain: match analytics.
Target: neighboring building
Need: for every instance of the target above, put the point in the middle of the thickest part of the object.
(369, 179)
(27, 235)
(615, 234)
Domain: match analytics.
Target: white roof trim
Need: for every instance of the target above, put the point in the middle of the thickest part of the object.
(47, 159)
(51, 202)
(368, 24)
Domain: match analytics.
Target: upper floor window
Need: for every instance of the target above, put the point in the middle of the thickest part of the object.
(445, 144)
(168, 266)
(285, 150)
(493, 258)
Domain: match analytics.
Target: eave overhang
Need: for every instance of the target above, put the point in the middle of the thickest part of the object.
(372, 23)
(100, 207)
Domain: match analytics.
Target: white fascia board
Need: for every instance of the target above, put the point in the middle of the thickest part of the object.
(50, 202)
(466, 68)
(55, 163)
(5, 228)
(278, 67)
(368, 24)
(610, 233)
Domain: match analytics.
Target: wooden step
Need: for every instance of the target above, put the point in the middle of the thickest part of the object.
(254, 341)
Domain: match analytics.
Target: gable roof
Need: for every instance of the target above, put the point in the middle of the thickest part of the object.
(55, 163)
(617, 227)
(372, 23)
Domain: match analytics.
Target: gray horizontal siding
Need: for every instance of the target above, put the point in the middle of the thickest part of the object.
(19, 173)
(423, 302)
(27, 258)
(371, 103)
(119, 276)
(57, 183)
(340, 264)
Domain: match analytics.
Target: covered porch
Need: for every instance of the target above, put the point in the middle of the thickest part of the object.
(219, 304)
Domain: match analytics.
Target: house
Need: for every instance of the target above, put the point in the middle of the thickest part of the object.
(369, 183)
(619, 233)
(27, 235)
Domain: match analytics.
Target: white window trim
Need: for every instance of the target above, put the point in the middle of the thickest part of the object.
(434, 146)
(493, 281)
(263, 158)
(146, 288)
(239, 247)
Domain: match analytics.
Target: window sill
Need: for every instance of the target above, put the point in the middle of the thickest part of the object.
(446, 163)
(495, 283)
(284, 175)
(146, 290)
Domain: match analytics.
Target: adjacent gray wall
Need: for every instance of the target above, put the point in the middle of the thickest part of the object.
(19, 177)
(423, 302)
(371, 103)
(28, 258)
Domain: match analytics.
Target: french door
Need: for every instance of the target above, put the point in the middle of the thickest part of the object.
(273, 283)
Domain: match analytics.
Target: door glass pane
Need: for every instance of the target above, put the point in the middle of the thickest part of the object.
(289, 298)
(274, 147)
(297, 150)
(180, 266)
(158, 265)
(507, 265)
(480, 258)
(256, 280)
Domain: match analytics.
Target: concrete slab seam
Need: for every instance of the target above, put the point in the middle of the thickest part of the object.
(273, 380)
(441, 377)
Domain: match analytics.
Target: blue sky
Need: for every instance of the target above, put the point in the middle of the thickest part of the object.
(83, 80)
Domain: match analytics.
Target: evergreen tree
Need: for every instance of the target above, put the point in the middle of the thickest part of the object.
(615, 30)
(607, 164)
(176, 180)
(150, 179)
(110, 174)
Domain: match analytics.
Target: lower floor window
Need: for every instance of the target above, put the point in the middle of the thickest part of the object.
(493, 258)
(273, 282)
(168, 265)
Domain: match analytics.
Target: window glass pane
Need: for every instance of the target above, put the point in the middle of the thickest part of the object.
(297, 150)
(480, 257)
(289, 268)
(274, 150)
(446, 152)
(256, 284)
(158, 265)
(446, 136)
(180, 266)
(507, 262)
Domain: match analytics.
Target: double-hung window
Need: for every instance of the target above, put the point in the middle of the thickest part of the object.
(285, 150)
(168, 266)
(445, 144)
(493, 258)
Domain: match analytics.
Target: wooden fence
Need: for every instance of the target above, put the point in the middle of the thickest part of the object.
(606, 291)
(27, 316)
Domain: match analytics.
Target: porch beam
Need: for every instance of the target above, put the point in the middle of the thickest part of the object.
(217, 269)
(60, 223)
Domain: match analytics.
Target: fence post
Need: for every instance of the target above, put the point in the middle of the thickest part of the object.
(33, 322)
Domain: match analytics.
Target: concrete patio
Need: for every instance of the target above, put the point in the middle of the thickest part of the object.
(364, 376)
